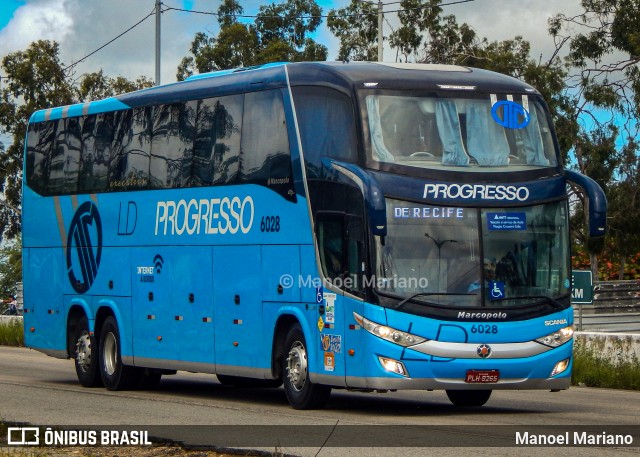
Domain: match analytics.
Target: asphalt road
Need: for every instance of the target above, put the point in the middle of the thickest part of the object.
(196, 410)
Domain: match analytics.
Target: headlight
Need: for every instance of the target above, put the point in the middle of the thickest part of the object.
(556, 338)
(387, 333)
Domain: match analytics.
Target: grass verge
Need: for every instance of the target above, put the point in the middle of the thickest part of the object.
(12, 333)
(592, 370)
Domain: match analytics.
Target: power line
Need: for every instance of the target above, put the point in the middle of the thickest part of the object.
(112, 40)
(319, 16)
(249, 16)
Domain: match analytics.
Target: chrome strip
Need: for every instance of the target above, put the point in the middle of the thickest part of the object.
(456, 384)
(195, 367)
(470, 350)
(327, 379)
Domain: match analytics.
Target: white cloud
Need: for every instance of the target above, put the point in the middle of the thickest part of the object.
(37, 20)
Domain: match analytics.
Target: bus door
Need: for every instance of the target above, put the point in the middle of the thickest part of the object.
(237, 301)
(151, 304)
(341, 250)
(192, 304)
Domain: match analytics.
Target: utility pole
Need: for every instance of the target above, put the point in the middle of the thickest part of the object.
(380, 17)
(158, 6)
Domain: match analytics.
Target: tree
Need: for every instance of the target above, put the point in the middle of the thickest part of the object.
(357, 28)
(279, 33)
(10, 268)
(603, 83)
(37, 79)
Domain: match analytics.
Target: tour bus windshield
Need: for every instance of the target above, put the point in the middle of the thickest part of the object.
(485, 133)
(474, 257)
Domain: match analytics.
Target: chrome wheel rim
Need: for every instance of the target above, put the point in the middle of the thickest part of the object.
(110, 353)
(83, 351)
(297, 366)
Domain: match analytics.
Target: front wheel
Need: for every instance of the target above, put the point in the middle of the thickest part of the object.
(467, 398)
(300, 391)
(86, 355)
(115, 375)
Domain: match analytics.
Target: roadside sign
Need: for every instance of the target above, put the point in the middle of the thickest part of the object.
(582, 287)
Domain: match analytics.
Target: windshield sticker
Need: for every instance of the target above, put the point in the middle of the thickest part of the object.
(426, 212)
(507, 221)
(496, 290)
(510, 114)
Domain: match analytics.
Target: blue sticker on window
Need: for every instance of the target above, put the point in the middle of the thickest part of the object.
(496, 290)
(510, 115)
(507, 221)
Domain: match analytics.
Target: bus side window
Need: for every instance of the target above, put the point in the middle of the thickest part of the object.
(65, 157)
(39, 141)
(341, 248)
(172, 139)
(330, 229)
(327, 126)
(264, 152)
(217, 140)
(97, 136)
(130, 150)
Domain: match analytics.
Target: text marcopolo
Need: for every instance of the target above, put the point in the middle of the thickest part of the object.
(205, 216)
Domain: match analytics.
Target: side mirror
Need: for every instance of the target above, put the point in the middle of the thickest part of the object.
(371, 190)
(597, 202)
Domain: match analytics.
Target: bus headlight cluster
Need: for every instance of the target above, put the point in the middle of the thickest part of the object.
(557, 338)
(388, 333)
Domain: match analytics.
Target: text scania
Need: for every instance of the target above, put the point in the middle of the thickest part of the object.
(205, 216)
(476, 191)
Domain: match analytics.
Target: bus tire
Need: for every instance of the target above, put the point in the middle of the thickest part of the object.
(300, 391)
(248, 383)
(86, 355)
(115, 375)
(468, 398)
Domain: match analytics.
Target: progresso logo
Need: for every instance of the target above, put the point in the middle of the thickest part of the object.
(84, 247)
(510, 115)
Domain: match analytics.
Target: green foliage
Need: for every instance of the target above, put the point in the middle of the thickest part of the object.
(279, 33)
(10, 268)
(593, 370)
(37, 79)
(12, 333)
(356, 26)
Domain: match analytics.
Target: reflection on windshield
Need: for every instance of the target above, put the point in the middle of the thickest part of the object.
(430, 249)
(436, 132)
(437, 250)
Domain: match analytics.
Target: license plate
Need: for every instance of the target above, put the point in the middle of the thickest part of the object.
(482, 376)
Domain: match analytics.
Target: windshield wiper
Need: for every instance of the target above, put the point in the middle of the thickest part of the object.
(556, 304)
(425, 294)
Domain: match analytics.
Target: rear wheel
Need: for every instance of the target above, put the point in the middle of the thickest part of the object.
(300, 391)
(86, 355)
(466, 398)
(115, 375)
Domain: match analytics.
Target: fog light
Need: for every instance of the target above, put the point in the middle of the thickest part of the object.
(393, 366)
(560, 367)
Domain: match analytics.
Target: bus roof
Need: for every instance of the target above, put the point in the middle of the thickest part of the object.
(345, 75)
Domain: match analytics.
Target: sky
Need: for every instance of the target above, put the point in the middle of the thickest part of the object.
(82, 26)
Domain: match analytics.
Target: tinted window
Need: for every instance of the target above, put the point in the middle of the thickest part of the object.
(65, 157)
(130, 150)
(97, 137)
(39, 142)
(217, 145)
(327, 126)
(265, 146)
(172, 144)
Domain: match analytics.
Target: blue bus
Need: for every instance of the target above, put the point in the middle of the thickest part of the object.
(363, 226)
